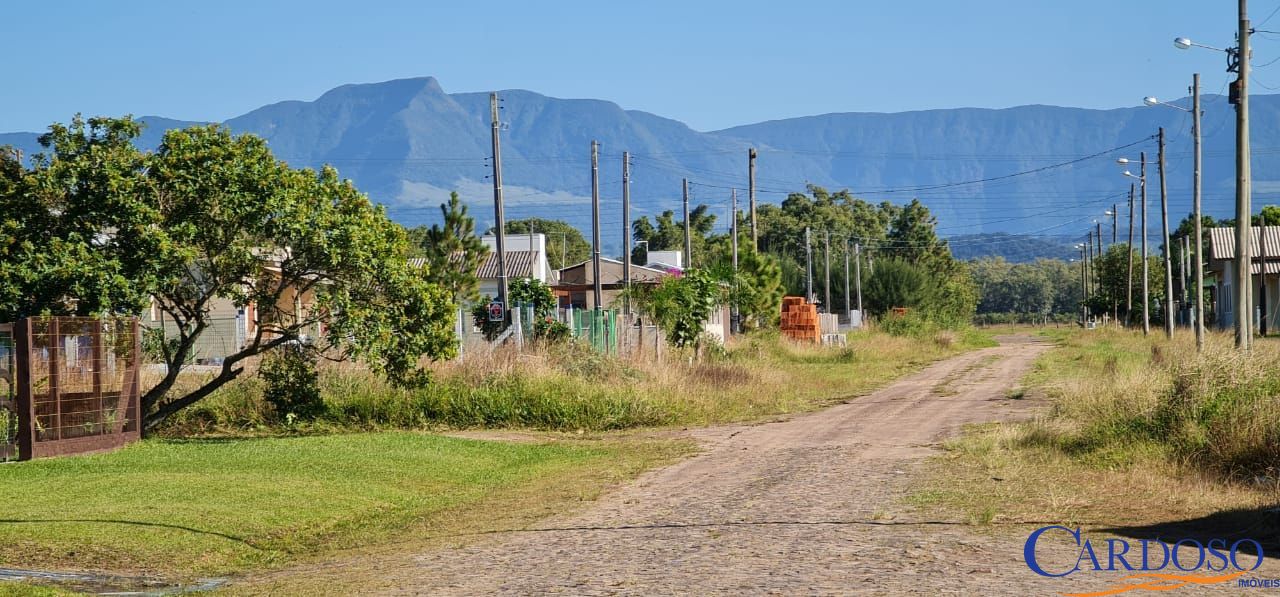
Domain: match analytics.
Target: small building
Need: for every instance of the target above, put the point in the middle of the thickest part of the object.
(1221, 268)
(576, 288)
(576, 285)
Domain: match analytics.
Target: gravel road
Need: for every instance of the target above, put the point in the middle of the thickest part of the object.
(812, 505)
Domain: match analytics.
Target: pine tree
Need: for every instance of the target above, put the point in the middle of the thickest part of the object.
(453, 251)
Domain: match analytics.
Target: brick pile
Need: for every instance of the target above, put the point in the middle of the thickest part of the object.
(800, 319)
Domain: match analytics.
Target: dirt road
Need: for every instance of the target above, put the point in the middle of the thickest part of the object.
(812, 505)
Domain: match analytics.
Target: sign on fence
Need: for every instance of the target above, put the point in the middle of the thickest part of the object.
(496, 311)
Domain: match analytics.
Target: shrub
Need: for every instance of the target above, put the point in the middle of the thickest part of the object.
(292, 385)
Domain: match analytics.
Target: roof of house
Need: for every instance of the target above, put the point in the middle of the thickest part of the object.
(610, 273)
(1222, 246)
(519, 264)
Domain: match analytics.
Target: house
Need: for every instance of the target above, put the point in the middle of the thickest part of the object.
(1221, 267)
(526, 257)
(231, 326)
(576, 284)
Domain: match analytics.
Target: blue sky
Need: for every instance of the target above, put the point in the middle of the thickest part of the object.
(709, 64)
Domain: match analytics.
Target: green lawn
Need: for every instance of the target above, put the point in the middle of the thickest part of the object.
(219, 506)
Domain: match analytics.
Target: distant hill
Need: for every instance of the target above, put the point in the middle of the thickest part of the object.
(408, 143)
(1015, 248)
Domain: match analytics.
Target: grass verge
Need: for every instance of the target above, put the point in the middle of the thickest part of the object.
(214, 507)
(1135, 431)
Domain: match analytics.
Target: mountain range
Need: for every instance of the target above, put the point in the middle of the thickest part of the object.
(1039, 170)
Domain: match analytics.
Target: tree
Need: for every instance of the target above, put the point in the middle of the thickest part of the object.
(565, 244)
(667, 234)
(453, 251)
(898, 283)
(214, 216)
(681, 304)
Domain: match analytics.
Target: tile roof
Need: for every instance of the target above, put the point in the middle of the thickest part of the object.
(519, 264)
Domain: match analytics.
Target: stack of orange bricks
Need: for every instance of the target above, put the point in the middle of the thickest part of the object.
(800, 319)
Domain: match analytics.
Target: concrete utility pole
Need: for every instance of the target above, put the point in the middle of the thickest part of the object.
(808, 266)
(1128, 303)
(1168, 244)
(595, 222)
(626, 228)
(733, 232)
(848, 313)
(1084, 287)
(1199, 265)
(1146, 290)
(1244, 209)
(1262, 276)
(688, 240)
(826, 279)
(751, 196)
(1114, 216)
(1092, 283)
(500, 221)
(857, 277)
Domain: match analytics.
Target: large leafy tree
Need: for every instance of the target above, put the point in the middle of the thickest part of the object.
(214, 216)
(452, 250)
(666, 233)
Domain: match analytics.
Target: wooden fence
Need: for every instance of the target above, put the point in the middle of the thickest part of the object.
(74, 385)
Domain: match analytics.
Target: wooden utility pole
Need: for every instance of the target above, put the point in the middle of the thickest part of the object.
(1146, 290)
(1199, 265)
(1168, 245)
(808, 266)
(1244, 209)
(733, 232)
(848, 312)
(1092, 284)
(1262, 276)
(688, 240)
(626, 229)
(751, 196)
(595, 225)
(1114, 216)
(500, 224)
(1084, 288)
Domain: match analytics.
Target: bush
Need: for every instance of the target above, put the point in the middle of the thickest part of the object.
(292, 385)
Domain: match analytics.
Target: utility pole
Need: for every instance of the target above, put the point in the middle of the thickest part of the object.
(1128, 303)
(857, 277)
(808, 266)
(733, 231)
(848, 313)
(595, 223)
(1084, 288)
(1090, 266)
(1262, 276)
(1146, 290)
(1244, 209)
(1195, 124)
(751, 196)
(826, 279)
(1168, 245)
(688, 241)
(626, 229)
(1114, 216)
(497, 206)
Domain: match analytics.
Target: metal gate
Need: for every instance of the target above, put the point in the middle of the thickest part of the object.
(8, 395)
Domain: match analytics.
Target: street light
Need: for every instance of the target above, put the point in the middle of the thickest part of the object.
(1238, 63)
(1198, 312)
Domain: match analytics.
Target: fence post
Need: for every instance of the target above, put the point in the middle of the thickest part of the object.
(24, 405)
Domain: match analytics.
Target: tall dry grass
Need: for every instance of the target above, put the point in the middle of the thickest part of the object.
(1116, 393)
(570, 387)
